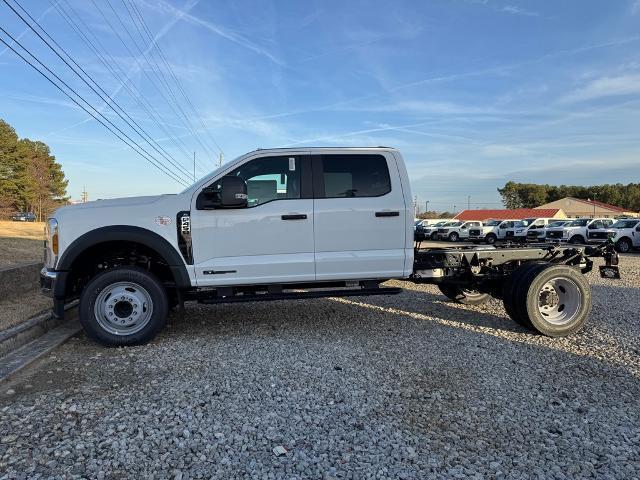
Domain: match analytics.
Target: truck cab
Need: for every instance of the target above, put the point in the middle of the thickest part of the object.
(540, 234)
(430, 231)
(626, 234)
(581, 231)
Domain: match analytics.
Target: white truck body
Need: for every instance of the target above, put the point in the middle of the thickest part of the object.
(283, 224)
(457, 230)
(626, 234)
(339, 238)
(581, 231)
(520, 231)
(491, 231)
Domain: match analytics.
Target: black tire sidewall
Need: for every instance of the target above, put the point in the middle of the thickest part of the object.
(454, 237)
(577, 240)
(456, 294)
(510, 291)
(491, 239)
(123, 274)
(623, 241)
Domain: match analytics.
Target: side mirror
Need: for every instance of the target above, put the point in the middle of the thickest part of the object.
(227, 192)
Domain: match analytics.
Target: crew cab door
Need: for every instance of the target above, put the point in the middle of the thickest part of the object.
(360, 216)
(270, 240)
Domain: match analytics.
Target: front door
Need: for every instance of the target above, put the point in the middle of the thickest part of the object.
(269, 241)
(360, 217)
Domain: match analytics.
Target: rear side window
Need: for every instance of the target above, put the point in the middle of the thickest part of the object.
(348, 176)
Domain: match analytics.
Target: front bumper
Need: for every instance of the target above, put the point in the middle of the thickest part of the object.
(47, 281)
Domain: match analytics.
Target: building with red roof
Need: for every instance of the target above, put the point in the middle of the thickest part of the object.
(578, 207)
(510, 214)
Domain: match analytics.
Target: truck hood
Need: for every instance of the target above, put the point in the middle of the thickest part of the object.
(112, 202)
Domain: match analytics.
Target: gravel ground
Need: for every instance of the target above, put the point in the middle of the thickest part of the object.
(410, 386)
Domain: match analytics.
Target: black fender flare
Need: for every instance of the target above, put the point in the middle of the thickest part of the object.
(128, 233)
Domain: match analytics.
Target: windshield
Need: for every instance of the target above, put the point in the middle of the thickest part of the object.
(582, 222)
(556, 224)
(453, 224)
(525, 222)
(519, 223)
(492, 223)
(625, 224)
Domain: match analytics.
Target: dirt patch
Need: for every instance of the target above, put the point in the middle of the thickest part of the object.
(16, 310)
(20, 242)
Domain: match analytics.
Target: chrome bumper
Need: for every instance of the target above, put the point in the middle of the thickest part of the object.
(47, 281)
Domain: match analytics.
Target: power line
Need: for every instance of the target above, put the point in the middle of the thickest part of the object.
(142, 102)
(139, 130)
(157, 47)
(169, 103)
(138, 150)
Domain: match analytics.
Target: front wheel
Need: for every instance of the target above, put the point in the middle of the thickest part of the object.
(434, 236)
(462, 295)
(123, 306)
(491, 239)
(577, 240)
(454, 237)
(623, 245)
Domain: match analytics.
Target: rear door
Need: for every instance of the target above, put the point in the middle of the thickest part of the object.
(360, 216)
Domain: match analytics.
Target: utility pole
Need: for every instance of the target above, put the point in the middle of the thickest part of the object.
(594, 204)
(468, 202)
(454, 209)
(220, 159)
(85, 196)
(194, 166)
(426, 206)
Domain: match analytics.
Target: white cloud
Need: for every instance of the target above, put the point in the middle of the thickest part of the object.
(513, 10)
(635, 7)
(606, 87)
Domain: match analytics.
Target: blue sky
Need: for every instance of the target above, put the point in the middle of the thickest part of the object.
(473, 92)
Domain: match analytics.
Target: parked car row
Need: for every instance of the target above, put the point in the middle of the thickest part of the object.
(624, 232)
(23, 217)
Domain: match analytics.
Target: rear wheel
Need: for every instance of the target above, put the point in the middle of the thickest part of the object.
(509, 289)
(554, 300)
(123, 306)
(463, 295)
(623, 245)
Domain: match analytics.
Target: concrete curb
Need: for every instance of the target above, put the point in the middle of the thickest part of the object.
(19, 335)
(19, 359)
(17, 279)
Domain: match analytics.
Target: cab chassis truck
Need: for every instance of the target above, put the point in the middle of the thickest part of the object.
(284, 224)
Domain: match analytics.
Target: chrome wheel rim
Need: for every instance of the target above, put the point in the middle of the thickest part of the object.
(559, 300)
(123, 308)
(623, 247)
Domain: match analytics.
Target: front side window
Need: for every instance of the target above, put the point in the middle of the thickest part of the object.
(270, 178)
(347, 176)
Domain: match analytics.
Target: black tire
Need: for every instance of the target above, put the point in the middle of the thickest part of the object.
(491, 238)
(434, 236)
(577, 240)
(135, 277)
(454, 237)
(464, 296)
(509, 290)
(624, 245)
(574, 299)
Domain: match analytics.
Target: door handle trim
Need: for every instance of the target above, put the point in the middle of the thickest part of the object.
(294, 216)
(387, 214)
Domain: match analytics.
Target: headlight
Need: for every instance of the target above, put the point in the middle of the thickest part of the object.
(52, 241)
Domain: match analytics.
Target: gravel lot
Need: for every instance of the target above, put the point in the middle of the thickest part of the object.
(409, 386)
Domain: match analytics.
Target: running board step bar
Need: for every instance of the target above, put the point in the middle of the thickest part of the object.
(297, 295)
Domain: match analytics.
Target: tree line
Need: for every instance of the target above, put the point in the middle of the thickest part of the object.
(530, 195)
(30, 178)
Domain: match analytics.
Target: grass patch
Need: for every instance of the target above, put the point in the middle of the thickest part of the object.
(20, 242)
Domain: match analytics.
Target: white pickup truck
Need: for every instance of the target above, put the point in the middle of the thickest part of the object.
(581, 231)
(626, 234)
(520, 231)
(288, 224)
(457, 230)
(491, 231)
